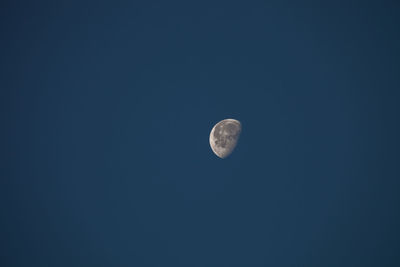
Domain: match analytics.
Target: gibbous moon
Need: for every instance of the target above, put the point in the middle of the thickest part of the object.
(224, 137)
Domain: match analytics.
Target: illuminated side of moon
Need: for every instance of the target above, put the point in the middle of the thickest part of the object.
(224, 137)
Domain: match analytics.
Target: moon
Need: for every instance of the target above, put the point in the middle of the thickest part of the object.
(224, 137)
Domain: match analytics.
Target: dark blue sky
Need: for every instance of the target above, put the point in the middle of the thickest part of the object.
(106, 110)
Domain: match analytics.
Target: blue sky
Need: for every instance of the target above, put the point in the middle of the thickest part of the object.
(106, 109)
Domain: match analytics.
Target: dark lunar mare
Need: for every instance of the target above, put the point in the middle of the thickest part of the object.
(231, 133)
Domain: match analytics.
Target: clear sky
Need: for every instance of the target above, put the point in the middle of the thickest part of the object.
(106, 109)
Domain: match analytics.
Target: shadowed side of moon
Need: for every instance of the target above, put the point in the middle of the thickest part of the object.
(224, 137)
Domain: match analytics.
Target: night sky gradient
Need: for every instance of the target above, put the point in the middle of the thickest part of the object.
(106, 109)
